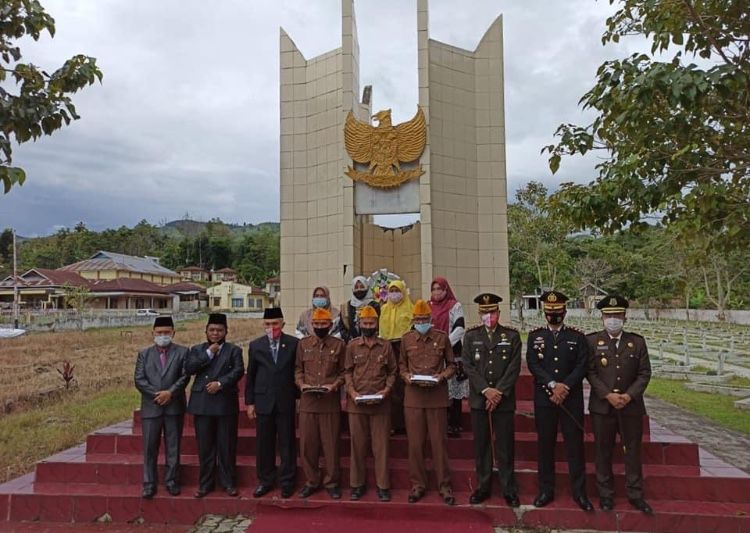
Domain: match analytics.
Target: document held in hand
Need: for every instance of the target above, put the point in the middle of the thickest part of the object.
(424, 379)
(369, 398)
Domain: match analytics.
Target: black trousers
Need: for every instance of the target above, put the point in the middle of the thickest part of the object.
(454, 413)
(606, 428)
(217, 446)
(272, 429)
(502, 422)
(153, 428)
(547, 420)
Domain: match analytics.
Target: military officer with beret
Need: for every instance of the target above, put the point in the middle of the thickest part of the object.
(619, 372)
(492, 358)
(557, 357)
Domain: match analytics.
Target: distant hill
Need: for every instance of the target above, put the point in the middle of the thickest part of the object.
(192, 228)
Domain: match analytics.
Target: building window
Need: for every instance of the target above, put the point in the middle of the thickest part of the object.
(217, 301)
(237, 302)
(258, 303)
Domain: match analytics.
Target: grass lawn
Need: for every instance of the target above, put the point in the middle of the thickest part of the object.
(28, 437)
(715, 407)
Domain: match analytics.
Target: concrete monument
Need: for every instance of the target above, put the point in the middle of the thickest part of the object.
(447, 164)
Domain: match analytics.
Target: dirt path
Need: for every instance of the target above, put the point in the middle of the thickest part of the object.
(730, 446)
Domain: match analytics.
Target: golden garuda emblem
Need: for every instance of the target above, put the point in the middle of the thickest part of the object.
(383, 148)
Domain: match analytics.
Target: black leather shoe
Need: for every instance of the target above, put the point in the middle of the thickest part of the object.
(384, 495)
(307, 491)
(148, 493)
(173, 489)
(543, 499)
(201, 492)
(287, 491)
(584, 503)
(607, 504)
(478, 496)
(334, 492)
(358, 492)
(261, 490)
(454, 433)
(512, 500)
(231, 491)
(415, 496)
(449, 499)
(641, 505)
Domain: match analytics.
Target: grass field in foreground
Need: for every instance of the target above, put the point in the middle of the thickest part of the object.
(716, 407)
(30, 436)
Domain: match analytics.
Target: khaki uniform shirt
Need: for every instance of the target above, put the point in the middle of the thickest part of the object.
(320, 362)
(369, 370)
(430, 355)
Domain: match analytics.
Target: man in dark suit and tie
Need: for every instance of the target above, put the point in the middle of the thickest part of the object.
(214, 404)
(270, 396)
(161, 379)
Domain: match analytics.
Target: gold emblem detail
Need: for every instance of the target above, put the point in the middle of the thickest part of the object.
(552, 298)
(384, 147)
(630, 345)
(604, 361)
(613, 301)
(600, 343)
(486, 298)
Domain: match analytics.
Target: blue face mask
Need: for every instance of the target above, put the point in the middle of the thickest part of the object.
(320, 301)
(422, 328)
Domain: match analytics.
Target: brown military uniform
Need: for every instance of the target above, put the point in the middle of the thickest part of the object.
(320, 362)
(369, 370)
(425, 407)
(621, 367)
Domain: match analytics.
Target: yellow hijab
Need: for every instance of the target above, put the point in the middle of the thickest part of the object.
(395, 318)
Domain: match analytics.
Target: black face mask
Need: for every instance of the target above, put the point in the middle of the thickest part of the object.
(555, 320)
(368, 332)
(321, 332)
(360, 295)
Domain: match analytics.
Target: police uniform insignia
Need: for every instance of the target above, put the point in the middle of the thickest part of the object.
(630, 345)
(604, 361)
(486, 298)
(552, 298)
(600, 343)
(613, 301)
(476, 355)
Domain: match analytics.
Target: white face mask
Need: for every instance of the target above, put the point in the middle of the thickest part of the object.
(162, 341)
(395, 297)
(613, 325)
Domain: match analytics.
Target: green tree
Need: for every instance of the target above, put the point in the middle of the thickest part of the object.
(78, 298)
(674, 133)
(42, 103)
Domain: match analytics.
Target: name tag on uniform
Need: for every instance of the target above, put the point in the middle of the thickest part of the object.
(503, 343)
(571, 342)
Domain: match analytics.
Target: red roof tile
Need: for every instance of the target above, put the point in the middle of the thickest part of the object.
(128, 285)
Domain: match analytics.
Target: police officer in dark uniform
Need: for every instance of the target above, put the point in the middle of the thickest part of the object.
(619, 372)
(492, 359)
(557, 357)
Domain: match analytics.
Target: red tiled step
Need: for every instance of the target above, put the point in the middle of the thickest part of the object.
(84, 503)
(120, 439)
(661, 481)
(524, 420)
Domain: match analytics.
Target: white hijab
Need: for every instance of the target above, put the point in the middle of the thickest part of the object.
(356, 302)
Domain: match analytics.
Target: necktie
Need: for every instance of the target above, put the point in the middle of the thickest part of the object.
(163, 358)
(613, 345)
(275, 350)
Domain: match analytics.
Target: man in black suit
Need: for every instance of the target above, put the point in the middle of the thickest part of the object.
(557, 356)
(270, 396)
(214, 404)
(161, 379)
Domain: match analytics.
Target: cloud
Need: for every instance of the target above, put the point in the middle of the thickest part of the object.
(186, 119)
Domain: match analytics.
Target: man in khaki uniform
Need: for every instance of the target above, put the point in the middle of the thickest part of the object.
(619, 372)
(319, 374)
(426, 352)
(370, 369)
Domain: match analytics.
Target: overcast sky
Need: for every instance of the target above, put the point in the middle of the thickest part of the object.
(187, 118)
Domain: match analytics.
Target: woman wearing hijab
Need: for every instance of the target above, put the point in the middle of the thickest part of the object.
(321, 300)
(395, 320)
(448, 316)
(361, 296)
